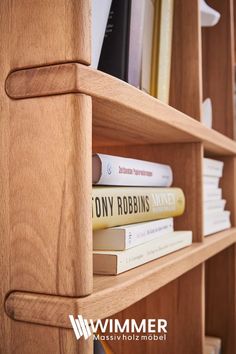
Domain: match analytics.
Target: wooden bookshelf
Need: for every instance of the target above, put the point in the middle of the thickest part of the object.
(56, 110)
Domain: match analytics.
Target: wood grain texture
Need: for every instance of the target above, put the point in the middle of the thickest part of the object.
(5, 323)
(185, 317)
(218, 67)
(142, 118)
(220, 299)
(186, 64)
(31, 338)
(115, 293)
(182, 158)
(50, 185)
(48, 31)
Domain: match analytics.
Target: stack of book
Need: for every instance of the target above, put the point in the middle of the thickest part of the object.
(133, 210)
(216, 218)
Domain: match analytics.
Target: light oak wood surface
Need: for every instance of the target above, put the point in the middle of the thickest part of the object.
(49, 184)
(47, 32)
(186, 61)
(218, 67)
(112, 294)
(142, 118)
(220, 298)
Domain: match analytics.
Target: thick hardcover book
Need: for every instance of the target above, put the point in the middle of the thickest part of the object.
(121, 171)
(212, 167)
(124, 237)
(212, 194)
(211, 181)
(216, 222)
(114, 55)
(116, 206)
(115, 262)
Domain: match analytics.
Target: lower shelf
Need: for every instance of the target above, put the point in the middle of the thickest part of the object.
(114, 293)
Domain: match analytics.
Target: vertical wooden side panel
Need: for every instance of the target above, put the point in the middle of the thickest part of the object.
(5, 328)
(48, 31)
(186, 162)
(218, 67)
(186, 65)
(228, 185)
(221, 298)
(50, 194)
(31, 338)
(181, 303)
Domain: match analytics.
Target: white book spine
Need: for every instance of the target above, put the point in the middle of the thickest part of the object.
(212, 167)
(152, 250)
(211, 181)
(216, 222)
(131, 172)
(147, 252)
(214, 205)
(125, 237)
(212, 194)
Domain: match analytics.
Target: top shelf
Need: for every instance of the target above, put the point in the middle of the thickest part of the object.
(122, 114)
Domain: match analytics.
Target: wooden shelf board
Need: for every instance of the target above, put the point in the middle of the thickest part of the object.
(114, 293)
(122, 114)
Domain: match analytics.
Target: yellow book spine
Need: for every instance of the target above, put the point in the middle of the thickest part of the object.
(115, 206)
(155, 49)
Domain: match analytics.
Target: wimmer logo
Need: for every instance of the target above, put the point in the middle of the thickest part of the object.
(147, 329)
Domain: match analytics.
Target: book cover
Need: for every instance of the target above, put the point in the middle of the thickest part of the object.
(121, 171)
(115, 262)
(116, 206)
(124, 237)
(114, 54)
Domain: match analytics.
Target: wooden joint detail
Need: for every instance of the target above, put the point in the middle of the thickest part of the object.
(43, 81)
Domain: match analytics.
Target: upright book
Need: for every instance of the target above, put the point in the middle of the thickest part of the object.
(116, 206)
(115, 262)
(121, 171)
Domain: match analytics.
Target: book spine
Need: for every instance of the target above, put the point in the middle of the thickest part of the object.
(114, 54)
(118, 262)
(214, 205)
(218, 223)
(121, 238)
(211, 182)
(212, 167)
(134, 258)
(115, 206)
(130, 172)
(212, 194)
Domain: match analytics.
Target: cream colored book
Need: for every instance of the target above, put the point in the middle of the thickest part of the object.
(116, 206)
(124, 237)
(115, 262)
(147, 46)
(165, 49)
